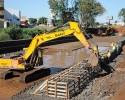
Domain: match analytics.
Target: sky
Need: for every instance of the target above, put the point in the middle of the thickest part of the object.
(39, 8)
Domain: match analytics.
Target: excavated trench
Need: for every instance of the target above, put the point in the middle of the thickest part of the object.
(103, 87)
(59, 58)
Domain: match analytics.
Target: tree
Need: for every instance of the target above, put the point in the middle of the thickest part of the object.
(85, 10)
(122, 14)
(97, 23)
(62, 9)
(42, 20)
(32, 20)
(116, 21)
(89, 10)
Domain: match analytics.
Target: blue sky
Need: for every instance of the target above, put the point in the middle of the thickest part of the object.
(39, 8)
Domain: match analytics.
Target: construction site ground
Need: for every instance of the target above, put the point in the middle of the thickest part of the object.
(106, 86)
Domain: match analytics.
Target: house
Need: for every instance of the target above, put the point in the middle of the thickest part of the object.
(8, 16)
(12, 16)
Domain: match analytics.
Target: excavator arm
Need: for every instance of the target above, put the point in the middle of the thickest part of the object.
(39, 39)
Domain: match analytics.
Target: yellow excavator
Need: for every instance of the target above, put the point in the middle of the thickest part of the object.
(25, 64)
(106, 31)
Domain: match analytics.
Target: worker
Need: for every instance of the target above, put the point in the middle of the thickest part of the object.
(108, 55)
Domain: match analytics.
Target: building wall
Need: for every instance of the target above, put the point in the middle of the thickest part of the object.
(12, 15)
(23, 18)
(1, 13)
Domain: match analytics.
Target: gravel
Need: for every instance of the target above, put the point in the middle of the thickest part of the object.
(102, 87)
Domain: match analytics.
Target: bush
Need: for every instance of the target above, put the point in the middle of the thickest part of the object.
(4, 36)
(33, 31)
(14, 32)
(26, 36)
(1, 29)
(30, 31)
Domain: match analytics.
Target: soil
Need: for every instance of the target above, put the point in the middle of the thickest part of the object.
(119, 29)
(106, 86)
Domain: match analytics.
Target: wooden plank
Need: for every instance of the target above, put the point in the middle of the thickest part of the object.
(61, 96)
(47, 89)
(62, 83)
(51, 89)
(51, 85)
(59, 90)
(67, 91)
(50, 82)
(56, 89)
(61, 86)
(51, 95)
(41, 87)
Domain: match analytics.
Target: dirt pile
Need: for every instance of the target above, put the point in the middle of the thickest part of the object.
(119, 29)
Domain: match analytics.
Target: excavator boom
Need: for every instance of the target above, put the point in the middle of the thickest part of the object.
(39, 39)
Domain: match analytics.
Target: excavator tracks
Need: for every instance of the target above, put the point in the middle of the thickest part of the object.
(6, 75)
(34, 74)
(26, 77)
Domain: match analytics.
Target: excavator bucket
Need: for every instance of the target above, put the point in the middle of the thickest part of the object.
(94, 57)
(93, 60)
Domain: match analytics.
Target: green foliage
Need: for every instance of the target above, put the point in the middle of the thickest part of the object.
(58, 24)
(42, 20)
(68, 10)
(63, 28)
(26, 36)
(14, 32)
(32, 20)
(1, 29)
(97, 23)
(62, 9)
(29, 32)
(4, 36)
(116, 21)
(122, 14)
(89, 10)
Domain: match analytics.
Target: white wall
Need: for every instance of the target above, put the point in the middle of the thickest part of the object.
(13, 15)
(119, 23)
